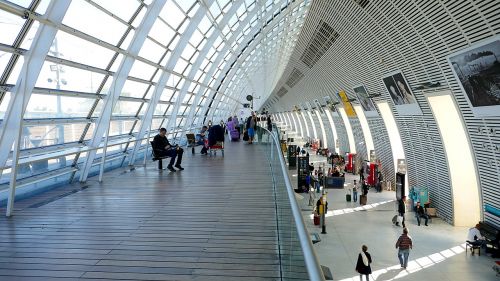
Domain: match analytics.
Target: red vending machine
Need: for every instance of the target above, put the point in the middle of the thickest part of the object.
(372, 174)
(349, 165)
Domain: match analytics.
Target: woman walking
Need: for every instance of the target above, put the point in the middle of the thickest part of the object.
(363, 265)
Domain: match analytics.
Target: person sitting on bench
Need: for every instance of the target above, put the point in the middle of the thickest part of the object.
(163, 148)
(421, 214)
(475, 238)
(200, 139)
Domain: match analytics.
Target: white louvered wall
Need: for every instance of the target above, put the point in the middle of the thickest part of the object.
(359, 139)
(342, 133)
(329, 132)
(414, 37)
(382, 148)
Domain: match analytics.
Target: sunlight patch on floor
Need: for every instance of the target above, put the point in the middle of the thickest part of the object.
(395, 272)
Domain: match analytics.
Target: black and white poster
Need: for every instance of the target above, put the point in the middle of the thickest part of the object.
(365, 101)
(401, 94)
(478, 70)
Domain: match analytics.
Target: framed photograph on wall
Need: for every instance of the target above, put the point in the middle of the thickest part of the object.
(319, 107)
(477, 69)
(401, 94)
(365, 101)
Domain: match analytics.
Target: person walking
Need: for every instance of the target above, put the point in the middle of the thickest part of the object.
(363, 265)
(402, 210)
(355, 192)
(405, 244)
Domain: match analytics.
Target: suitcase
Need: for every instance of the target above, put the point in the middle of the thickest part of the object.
(395, 220)
(363, 199)
(235, 135)
(316, 220)
(245, 136)
(348, 197)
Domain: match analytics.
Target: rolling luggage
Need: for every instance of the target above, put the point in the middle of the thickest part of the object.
(245, 136)
(363, 199)
(235, 135)
(348, 197)
(316, 220)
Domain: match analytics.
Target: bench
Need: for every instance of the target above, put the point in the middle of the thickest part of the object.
(158, 158)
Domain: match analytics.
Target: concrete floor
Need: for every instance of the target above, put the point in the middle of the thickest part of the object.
(438, 253)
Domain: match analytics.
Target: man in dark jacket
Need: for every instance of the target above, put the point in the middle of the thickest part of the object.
(421, 213)
(162, 147)
(402, 209)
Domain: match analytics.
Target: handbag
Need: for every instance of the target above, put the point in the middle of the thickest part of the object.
(400, 219)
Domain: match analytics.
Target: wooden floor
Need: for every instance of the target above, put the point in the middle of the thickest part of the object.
(213, 221)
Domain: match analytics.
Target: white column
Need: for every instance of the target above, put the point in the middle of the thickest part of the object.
(119, 80)
(460, 158)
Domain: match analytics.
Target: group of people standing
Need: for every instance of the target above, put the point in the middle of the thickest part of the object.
(252, 128)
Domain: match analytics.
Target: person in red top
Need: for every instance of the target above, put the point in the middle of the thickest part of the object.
(404, 244)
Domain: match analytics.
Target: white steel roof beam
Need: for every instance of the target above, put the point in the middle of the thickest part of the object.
(214, 65)
(172, 61)
(120, 77)
(242, 58)
(199, 60)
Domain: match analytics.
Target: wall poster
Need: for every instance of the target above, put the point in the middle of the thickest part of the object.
(401, 94)
(349, 110)
(477, 69)
(365, 101)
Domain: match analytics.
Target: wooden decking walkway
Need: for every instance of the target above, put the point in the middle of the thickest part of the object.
(213, 221)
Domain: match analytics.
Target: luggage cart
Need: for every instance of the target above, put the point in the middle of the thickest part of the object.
(219, 146)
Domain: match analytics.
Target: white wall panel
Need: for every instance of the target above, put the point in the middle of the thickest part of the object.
(414, 37)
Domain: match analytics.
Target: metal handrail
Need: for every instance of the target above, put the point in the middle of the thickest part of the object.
(312, 263)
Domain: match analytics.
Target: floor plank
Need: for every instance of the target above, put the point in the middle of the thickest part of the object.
(213, 221)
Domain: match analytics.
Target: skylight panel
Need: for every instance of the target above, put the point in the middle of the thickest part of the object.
(101, 26)
(214, 10)
(172, 14)
(10, 26)
(161, 32)
(151, 51)
(185, 4)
